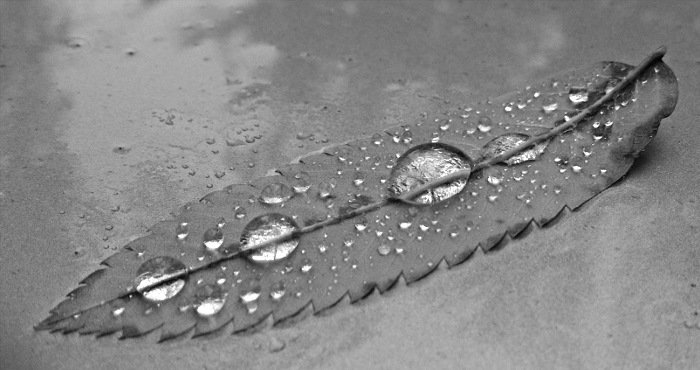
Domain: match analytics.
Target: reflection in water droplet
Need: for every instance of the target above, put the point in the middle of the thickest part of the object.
(264, 228)
(275, 193)
(506, 142)
(159, 269)
(424, 163)
(209, 299)
(213, 238)
(181, 231)
(383, 249)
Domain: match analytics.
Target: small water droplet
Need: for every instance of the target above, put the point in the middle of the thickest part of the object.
(301, 182)
(407, 137)
(118, 311)
(325, 190)
(383, 249)
(578, 95)
(239, 212)
(377, 139)
(492, 198)
(322, 248)
(550, 108)
(277, 291)
(182, 230)
(209, 299)
(403, 225)
(275, 193)
(361, 223)
(306, 265)
(493, 180)
(213, 238)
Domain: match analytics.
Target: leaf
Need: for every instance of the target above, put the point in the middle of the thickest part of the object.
(361, 215)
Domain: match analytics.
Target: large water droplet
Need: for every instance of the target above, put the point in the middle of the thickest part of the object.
(275, 193)
(213, 238)
(156, 270)
(209, 299)
(506, 142)
(264, 228)
(427, 162)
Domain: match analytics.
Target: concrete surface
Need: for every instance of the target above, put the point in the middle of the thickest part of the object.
(113, 114)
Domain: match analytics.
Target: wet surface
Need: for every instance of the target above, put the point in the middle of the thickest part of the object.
(114, 114)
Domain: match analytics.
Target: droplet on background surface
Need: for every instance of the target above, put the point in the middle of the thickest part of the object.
(275, 193)
(155, 270)
(427, 162)
(264, 228)
(505, 142)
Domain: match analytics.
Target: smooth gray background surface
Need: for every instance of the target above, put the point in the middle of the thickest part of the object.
(87, 163)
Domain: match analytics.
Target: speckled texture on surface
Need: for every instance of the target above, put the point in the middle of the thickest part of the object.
(113, 114)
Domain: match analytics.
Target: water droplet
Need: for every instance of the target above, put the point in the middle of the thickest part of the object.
(213, 238)
(506, 142)
(377, 139)
(493, 198)
(264, 228)
(484, 124)
(209, 299)
(275, 193)
(361, 223)
(325, 190)
(182, 230)
(403, 225)
(306, 265)
(156, 270)
(576, 169)
(407, 137)
(118, 311)
(493, 180)
(359, 178)
(578, 95)
(383, 249)
(427, 162)
(277, 291)
(549, 108)
(301, 182)
(322, 248)
(239, 212)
